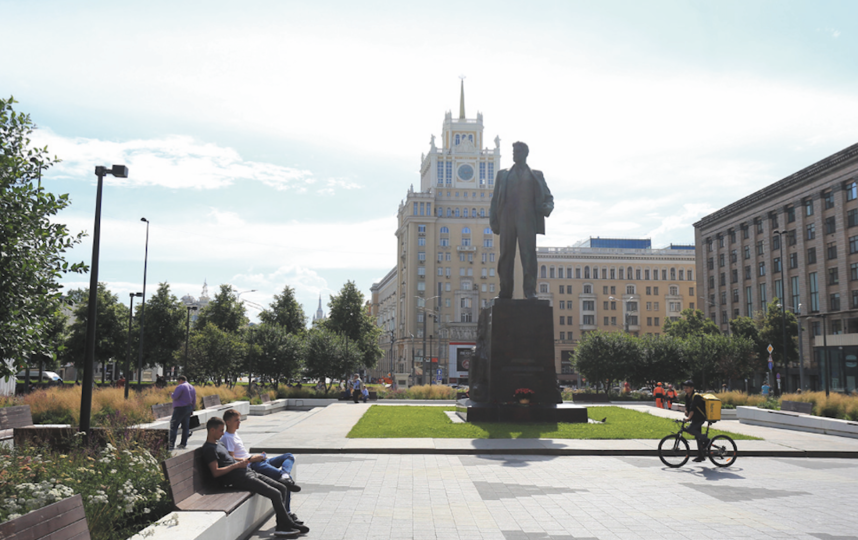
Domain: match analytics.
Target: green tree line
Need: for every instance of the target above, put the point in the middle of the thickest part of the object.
(690, 347)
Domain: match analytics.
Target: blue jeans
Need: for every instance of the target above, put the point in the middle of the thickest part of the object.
(274, 468)
(181, 415)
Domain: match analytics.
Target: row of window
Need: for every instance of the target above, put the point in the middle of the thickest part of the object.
(850, 187)
(455, 212)
(777, 267)
(548, 272)
(465, 230)
(447, 256)
(485, 272)
(444, 171)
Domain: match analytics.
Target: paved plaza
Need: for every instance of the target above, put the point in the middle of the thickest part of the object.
(395, 490)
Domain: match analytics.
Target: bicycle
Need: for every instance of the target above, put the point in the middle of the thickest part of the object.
(673, 450)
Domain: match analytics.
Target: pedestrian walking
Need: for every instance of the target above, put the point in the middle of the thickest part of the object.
(184, 401)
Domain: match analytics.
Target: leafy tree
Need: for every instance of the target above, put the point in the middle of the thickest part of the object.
(349, 318)
(32, 244)
(738, 360)
(749, 328)
(285, 312)
(772, 332)
(328, 355)
(606, 356)
(662, 358)
(164, 329)
(224, 311)
(692, 322)
(214, 354)
(111, 331)
(275, 353)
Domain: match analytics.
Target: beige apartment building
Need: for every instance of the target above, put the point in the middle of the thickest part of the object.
(795, 240)
(446, 262)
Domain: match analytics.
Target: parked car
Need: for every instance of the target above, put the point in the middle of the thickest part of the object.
(645, 391)
(48, 377)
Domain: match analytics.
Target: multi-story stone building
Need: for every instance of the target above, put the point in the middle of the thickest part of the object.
(795, 240)
(446, 267)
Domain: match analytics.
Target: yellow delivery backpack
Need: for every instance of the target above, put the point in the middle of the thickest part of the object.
(713, 407)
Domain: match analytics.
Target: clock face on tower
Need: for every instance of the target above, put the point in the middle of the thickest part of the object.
(465, 172)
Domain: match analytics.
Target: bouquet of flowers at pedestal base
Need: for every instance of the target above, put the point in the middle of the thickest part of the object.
(524, 395)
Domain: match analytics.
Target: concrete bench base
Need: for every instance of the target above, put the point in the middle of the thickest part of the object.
(204, 414)
(238, 525)
(797, 421)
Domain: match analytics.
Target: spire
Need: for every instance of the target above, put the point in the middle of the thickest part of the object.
(320, 301)
(462, 99)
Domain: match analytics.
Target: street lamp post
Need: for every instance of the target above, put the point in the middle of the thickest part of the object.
(625, 313)
(143, 309)
(188, 334)
(128, 347)
(119, 171)
(425, 315)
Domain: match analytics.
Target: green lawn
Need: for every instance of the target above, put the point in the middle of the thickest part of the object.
(407, 422)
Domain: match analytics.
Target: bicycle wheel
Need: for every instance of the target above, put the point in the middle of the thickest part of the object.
(722, 451)
(673, 451)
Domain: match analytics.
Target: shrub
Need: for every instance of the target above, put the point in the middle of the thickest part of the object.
(434, 391)
(121, 483)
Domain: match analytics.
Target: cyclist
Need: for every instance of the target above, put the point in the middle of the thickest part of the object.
(695, 412)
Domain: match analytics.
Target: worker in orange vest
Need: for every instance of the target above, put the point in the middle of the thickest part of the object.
(658, 392)
(670, 396)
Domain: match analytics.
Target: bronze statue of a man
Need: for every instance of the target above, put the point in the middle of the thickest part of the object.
(520, 204)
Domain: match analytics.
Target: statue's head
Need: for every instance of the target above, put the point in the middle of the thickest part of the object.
(519, 152)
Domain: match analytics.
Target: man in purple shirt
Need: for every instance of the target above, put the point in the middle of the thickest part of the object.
(184, 399)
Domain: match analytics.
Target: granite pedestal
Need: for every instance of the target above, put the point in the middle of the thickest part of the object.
(515, 349)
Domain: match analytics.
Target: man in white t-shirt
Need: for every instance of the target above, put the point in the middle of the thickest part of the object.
(278, 468)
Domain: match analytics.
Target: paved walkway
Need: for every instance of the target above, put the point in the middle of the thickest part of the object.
(527, 489)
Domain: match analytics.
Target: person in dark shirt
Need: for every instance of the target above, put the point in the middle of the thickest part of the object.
(695, 412)
(231, 472)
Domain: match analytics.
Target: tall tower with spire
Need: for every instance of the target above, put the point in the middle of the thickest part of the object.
(446, 253)
(319, 315)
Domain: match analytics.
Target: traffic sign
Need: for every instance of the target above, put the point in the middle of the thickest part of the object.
(779, 376)
(770, 361)
(770, 348)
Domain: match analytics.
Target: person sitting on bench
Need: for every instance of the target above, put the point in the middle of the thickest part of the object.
(278, 468)
(231, 472)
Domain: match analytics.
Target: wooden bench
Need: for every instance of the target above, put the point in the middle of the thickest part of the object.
(797, 406)
(162, 411)
(14, 417)
(194, 490)
(212, 401)
(63, 520)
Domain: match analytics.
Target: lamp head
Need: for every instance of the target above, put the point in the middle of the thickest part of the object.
(144, 219)
(119, 171)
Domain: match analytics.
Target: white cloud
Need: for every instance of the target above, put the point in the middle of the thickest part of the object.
(175, 161)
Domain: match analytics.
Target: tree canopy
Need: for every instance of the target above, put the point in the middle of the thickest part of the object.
(164, 329)
(692, 322)
(111, 330)
(32, 243)
(224, 311)
(286, 312)
(348, 317)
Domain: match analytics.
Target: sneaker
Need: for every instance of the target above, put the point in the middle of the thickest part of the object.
(290, 484)
(182, 446)
(295, 519)
(698, 459)
(287, 533)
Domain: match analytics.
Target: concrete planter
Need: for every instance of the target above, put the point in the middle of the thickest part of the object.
(797, 421)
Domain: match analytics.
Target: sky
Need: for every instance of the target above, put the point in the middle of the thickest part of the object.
(270, 143)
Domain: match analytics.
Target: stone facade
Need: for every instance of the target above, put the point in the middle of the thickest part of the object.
(796, 239)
